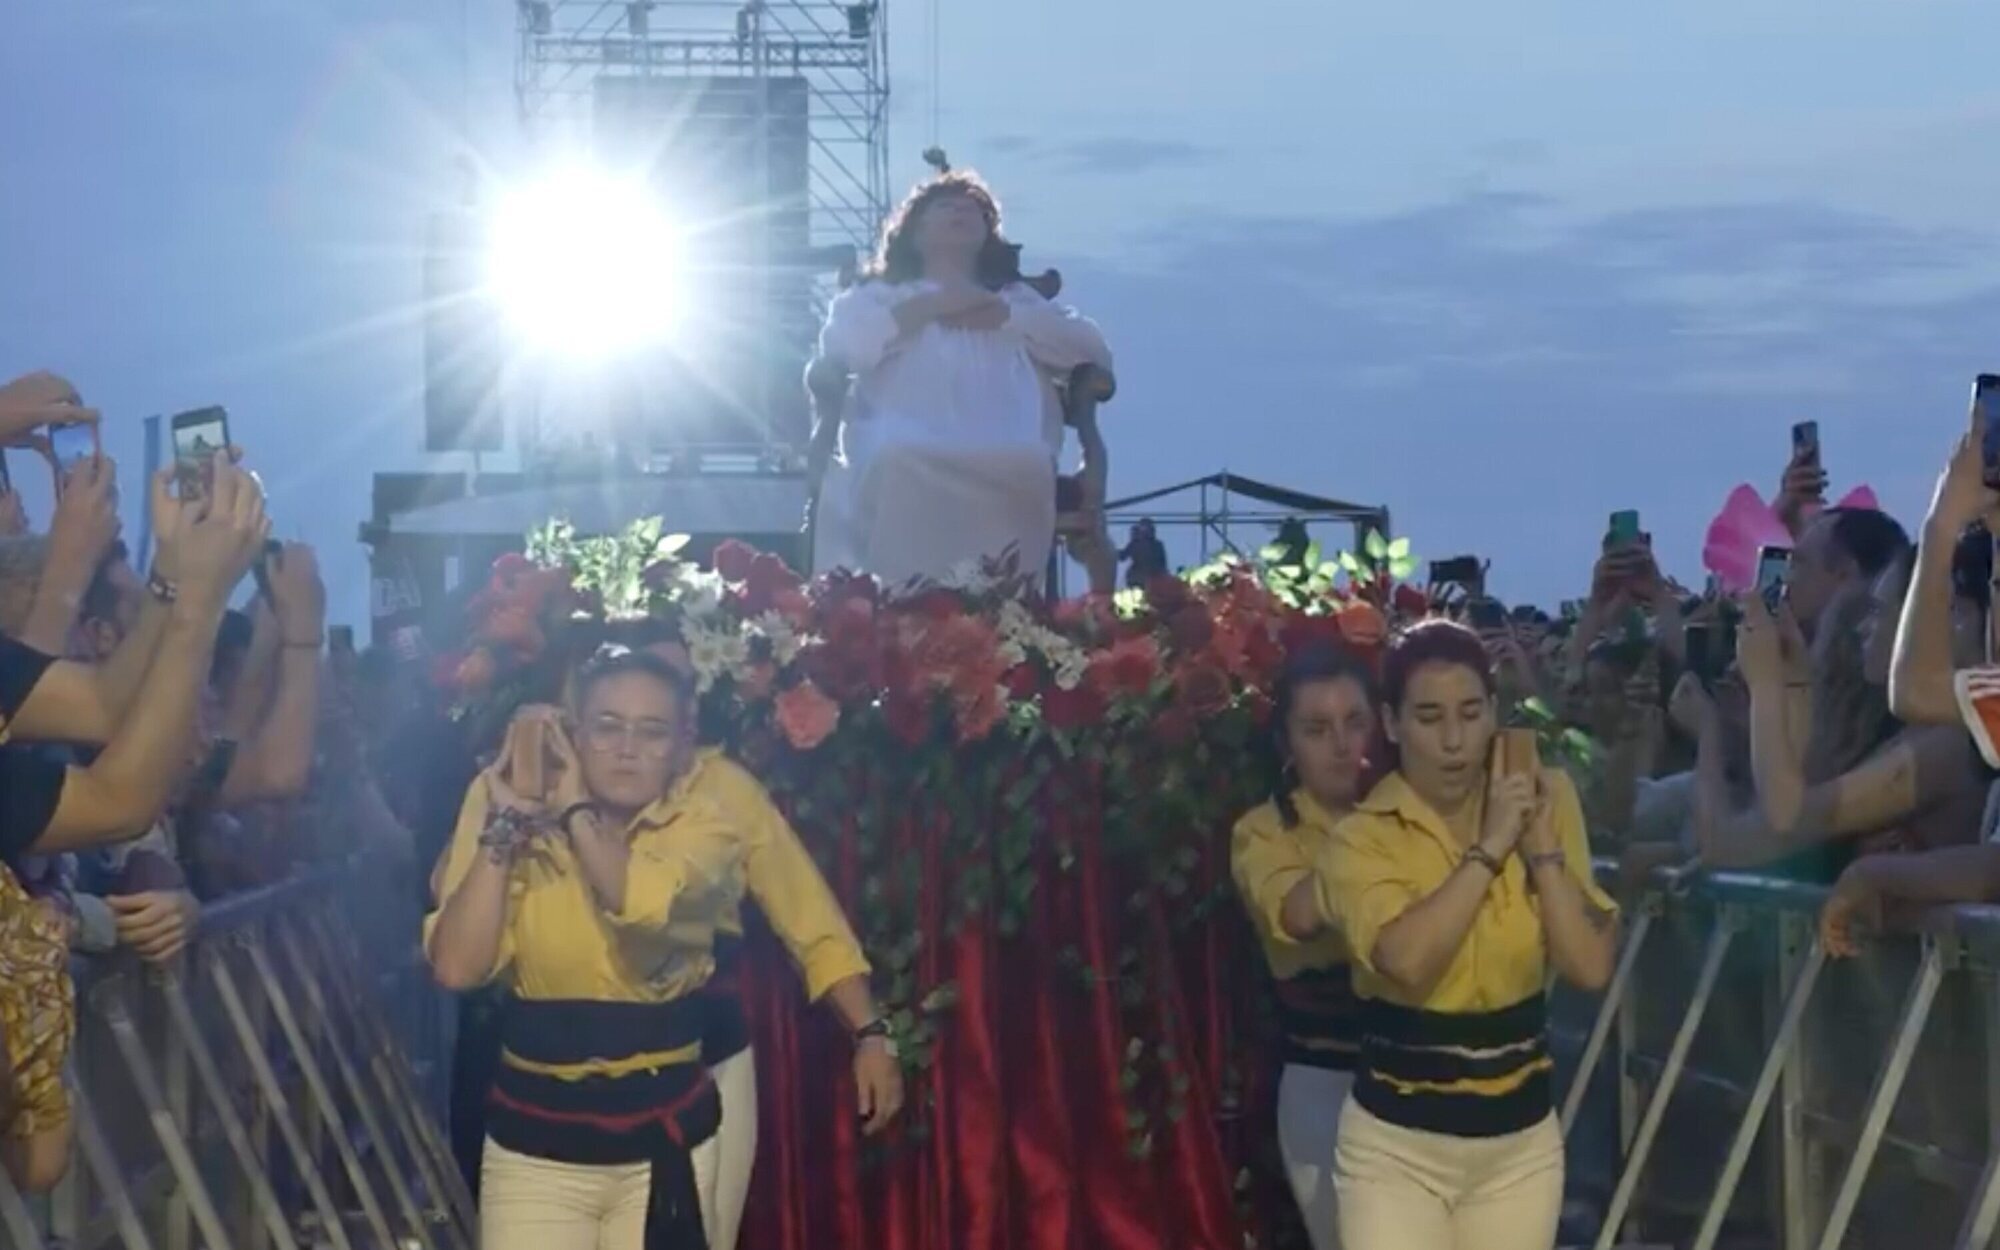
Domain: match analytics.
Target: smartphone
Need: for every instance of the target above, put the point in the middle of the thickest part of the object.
(1520, 752)
(71, 445)
(526, 773)
(1486, 615)
(1462, 571)
(274, 551)
(1805, 443)
(1623, 531)
(1986, 395)
(198, 435)
(1774, 567)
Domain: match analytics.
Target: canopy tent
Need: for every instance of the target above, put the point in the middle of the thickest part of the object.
(1220, 505)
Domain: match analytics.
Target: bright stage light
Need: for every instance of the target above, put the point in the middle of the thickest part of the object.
(585, 264)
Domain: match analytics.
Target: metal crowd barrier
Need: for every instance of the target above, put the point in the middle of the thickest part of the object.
(1734, 1088)
(280, 1088)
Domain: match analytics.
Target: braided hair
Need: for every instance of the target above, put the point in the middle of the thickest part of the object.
(1308, 667)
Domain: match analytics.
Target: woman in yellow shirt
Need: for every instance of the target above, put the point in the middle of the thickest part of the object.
(1457, 884)
(598, 905)
(1322, 727)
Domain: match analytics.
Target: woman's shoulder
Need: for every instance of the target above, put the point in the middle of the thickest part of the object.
(1261, 821)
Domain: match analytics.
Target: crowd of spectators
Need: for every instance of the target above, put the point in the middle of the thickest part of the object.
(159, 748)
(1823, 725)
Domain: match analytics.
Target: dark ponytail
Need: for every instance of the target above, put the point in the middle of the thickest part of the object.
(1307, 667)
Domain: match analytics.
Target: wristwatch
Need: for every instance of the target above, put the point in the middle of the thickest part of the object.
(877, 1029)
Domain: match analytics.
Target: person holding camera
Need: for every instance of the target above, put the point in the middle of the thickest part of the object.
(1458, 883)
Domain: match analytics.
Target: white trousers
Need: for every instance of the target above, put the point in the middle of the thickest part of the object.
(1406, 1189)
(722, 1164)
(527, 1203)
(1309, 1106)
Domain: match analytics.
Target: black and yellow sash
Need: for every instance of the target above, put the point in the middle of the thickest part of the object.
(608, 1083)
(1481, 1074)
(1317, 1011)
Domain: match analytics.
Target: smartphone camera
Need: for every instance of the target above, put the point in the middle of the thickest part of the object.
(1486, 615)
(1623, 531)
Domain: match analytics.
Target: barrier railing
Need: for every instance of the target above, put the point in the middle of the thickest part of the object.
(1732, 1088)
(279, 1089)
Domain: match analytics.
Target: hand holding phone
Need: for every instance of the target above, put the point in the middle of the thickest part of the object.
(70, 446)
(1774, 570)
(199, 435)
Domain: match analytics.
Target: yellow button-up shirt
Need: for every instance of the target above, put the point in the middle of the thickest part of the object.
(694, 853)
(1268, 860)
(1395, 850)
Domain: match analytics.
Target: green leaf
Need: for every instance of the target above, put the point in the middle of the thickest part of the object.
(1375, 545)
(1400, 549)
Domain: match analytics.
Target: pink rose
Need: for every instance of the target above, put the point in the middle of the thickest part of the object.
(806, 716)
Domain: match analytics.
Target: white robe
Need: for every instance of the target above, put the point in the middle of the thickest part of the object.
(949, 444)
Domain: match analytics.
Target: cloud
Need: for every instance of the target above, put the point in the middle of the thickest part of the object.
(1103, 155)
(1503, 372)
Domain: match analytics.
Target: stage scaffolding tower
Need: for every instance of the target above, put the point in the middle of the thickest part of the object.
(778, 110)
(840, 51)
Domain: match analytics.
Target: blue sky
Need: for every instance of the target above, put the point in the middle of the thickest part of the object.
(1504, 268)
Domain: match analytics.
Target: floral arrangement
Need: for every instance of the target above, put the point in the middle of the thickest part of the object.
(969, 724)
(965, 659)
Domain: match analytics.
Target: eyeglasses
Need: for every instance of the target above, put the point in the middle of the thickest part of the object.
(608, 735)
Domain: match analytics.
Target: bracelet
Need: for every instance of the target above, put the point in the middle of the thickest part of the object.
(1548, 859)
(567, 821)
(162, 589)
(1477, 854)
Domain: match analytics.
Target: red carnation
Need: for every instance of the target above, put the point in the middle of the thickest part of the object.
(1072, 709)
(1407, 600)
(1203, 689)
(806, 716)
(1304, 633)
(978, 713)
(1363, 625)
(1191, 628)
(1175, 727)
(1167, 594)
(908, 716)
(733, 558)
(934, 605)
(1022, 682)
(1126, 667)
(768, 578)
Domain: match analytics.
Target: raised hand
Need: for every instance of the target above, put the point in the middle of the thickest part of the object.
(214, 546)
(36, 400)
(86, 517)
(298, 595)
(1510, 806)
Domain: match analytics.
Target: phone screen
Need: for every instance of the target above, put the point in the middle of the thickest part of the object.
(1986, 394)
(71, 445)
(1774, 565)
(198, 436)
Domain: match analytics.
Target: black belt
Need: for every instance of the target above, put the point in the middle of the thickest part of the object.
(655, 1115)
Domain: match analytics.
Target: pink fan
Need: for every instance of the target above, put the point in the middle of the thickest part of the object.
(1746, 524)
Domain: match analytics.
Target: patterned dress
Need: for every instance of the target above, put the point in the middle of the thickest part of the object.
(37, 1014)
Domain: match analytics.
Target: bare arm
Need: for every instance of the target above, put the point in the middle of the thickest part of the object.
(1951, 874)
(1920, 678)
(464, 944)
(1300, 913)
